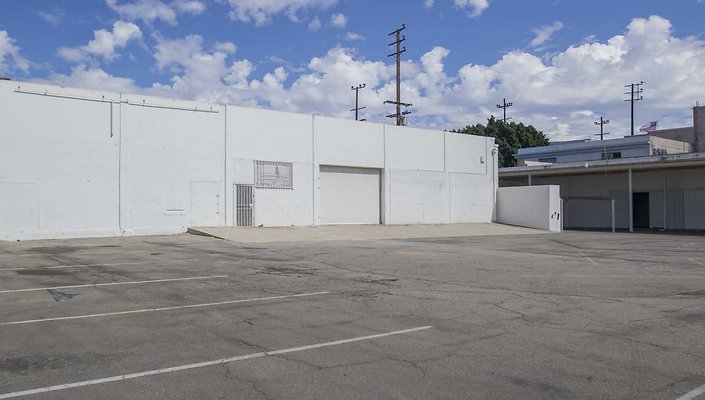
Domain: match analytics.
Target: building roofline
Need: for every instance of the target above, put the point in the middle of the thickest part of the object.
(621, 164)
(108, 96)
(572, 147)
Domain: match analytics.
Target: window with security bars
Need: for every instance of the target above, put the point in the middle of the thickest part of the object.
(274, 175)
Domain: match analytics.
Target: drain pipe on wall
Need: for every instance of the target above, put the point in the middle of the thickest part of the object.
(631, 203)
(225, 165)
(495, 183)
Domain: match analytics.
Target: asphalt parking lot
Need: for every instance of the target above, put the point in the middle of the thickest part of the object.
(562, 316)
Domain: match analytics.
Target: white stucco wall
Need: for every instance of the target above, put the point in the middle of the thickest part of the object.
(266, 135)
(438, 177)
(530, 206)
(349, 143)
(77, 163)
(172, 165)
(59, 174)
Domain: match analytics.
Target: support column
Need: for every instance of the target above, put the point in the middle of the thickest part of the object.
(631, 203)
(530, 180)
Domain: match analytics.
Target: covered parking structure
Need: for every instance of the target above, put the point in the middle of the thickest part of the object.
(658, 192)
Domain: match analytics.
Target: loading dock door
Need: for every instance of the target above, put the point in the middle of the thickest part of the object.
(350, 195)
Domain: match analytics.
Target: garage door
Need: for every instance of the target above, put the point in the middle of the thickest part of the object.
(350, 195)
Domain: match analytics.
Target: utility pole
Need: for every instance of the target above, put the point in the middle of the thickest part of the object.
(504, 107)
(357, 92)
(399, 116)
(635, 94)
(602, 124)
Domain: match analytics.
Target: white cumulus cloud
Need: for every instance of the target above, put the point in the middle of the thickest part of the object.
(477, 6)
(561, 95)
(315, 24)
(261, 12)
(338, 20)
(104, 44)
(352, 36)
(10, 57)
(145, 10)
(194, 7)
(53, 17)
(545, 33)
(93, 78)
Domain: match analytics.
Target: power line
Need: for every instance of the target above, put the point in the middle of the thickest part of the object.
(602, 124)
(399, 115)
(357, 107)
(504, 107)
(635, 94)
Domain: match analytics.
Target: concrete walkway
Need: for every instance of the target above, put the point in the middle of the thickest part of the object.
(360, 232)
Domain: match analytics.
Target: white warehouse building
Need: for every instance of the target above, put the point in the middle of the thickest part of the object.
(78, 163)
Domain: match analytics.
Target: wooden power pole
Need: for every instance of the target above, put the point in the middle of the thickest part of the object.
(399, 115)
(357, 108)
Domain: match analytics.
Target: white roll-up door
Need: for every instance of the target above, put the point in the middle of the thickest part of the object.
(350, 195)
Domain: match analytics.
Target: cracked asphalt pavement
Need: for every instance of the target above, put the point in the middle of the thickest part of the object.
(563, 316)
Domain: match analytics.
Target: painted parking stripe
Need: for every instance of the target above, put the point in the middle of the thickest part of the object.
(195, 278)
(146, 310)
(206, 363)
(88, 265)
(694, 394)
(619, 276)
(102, 253)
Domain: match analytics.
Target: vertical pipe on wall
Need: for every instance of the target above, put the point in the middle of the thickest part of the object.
(530, 180)
(387, 180)
(664, 200)
(495, 176)
(315, 185)
(225, 165)
(111, 118)
(614, 226)
(120, 227)
(445, 169)
(631, 203)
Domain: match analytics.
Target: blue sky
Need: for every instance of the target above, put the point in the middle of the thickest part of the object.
(562, 62)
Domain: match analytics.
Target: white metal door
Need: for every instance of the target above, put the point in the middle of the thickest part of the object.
(205, 204)
(244, 205)
(350, 195)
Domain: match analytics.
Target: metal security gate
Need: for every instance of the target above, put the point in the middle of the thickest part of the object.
(244, 205)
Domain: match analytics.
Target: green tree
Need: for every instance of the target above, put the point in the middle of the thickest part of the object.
(510, 137)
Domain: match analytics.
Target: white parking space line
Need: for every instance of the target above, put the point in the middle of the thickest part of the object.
(694, 394)
(102, 253)
(589, 259)
(195, 278)
(145, 310)
(88, 265)
(619, 276)
(695, 261)
(206, 363)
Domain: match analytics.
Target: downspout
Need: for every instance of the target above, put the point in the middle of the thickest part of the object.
(225, 165)
(631, 203)
(120, 227)
(494, 182)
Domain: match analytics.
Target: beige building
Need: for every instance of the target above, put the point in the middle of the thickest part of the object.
(658, 191)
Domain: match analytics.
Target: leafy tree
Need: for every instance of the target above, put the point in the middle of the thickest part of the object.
(509, 136)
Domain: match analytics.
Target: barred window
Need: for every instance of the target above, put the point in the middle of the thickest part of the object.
(274, 175)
